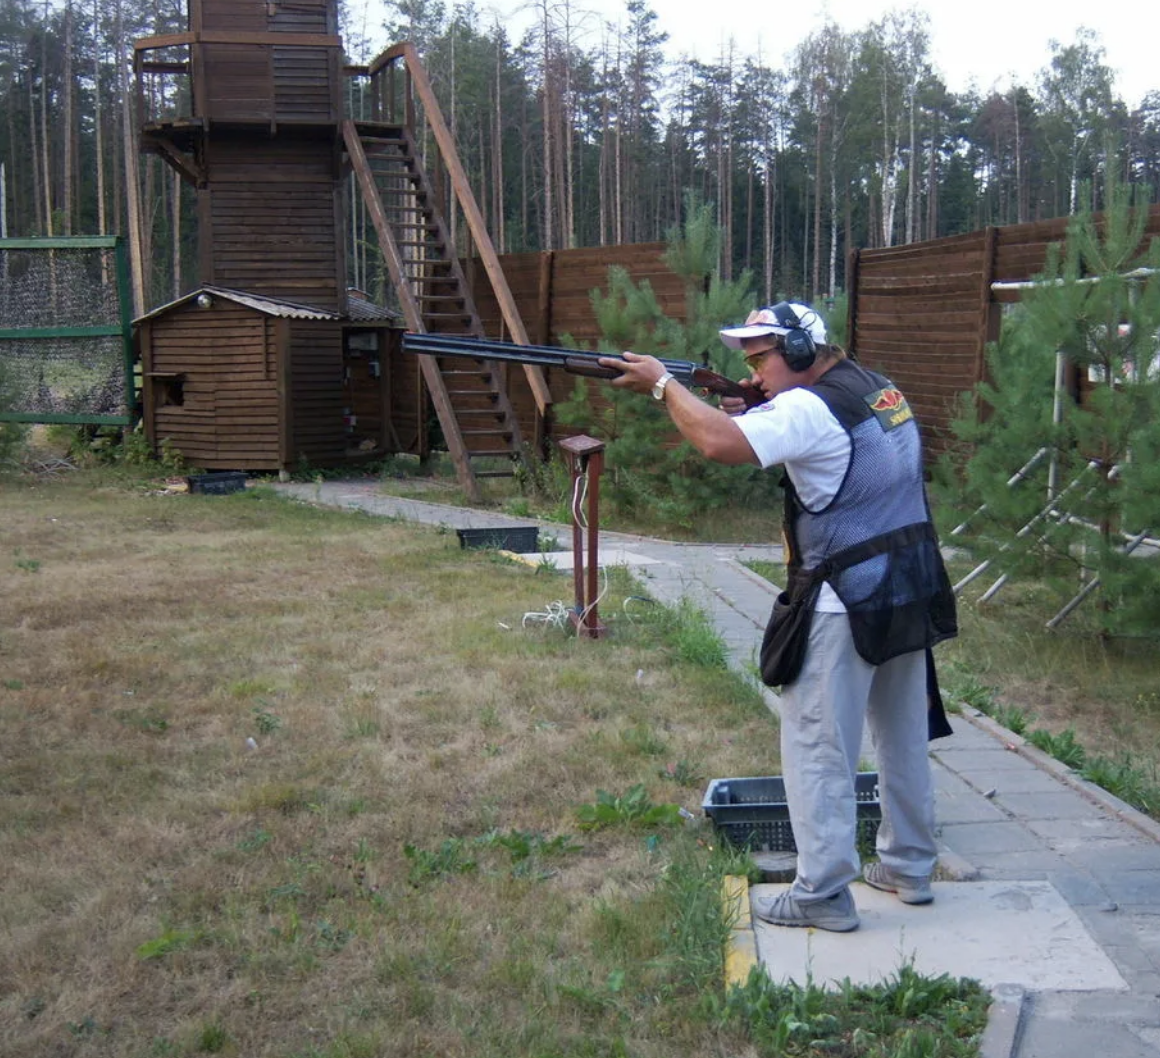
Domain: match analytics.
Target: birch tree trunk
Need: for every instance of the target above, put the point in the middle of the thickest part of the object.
(67, 121)
(912, 164)
(833, 274)
(132, 171)
(33, 142)
(602, 163)
(497, 180)
(98, 123)
(817, 280)
(549, 163)
(568, 205)
(46, 169)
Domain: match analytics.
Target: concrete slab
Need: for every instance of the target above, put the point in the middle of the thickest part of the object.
(1018, 933)
(1060, 804)
(975, 840)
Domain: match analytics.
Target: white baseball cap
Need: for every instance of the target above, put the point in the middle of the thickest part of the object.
(781, 318)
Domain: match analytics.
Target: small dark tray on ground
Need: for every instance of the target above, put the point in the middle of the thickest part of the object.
(753, 814)
(524, 540)
(217, 484)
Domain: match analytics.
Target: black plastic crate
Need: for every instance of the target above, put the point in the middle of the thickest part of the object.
(523, 540)
(753, 814)
(217, 484)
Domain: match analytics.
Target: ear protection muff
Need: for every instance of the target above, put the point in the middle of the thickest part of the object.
(800, 348)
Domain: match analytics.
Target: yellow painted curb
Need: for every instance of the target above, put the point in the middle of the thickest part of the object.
(741, 948)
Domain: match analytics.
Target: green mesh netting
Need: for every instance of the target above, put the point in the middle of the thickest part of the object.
(61, 376)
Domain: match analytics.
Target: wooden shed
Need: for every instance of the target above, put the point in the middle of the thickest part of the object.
(234, 380)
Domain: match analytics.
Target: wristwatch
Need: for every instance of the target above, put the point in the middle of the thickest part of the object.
(658, 390)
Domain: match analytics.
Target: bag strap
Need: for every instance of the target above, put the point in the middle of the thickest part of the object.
(915, 533)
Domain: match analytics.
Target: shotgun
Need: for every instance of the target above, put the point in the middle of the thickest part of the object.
(574, 361)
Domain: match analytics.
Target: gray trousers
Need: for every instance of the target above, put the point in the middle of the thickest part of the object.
(822, 715)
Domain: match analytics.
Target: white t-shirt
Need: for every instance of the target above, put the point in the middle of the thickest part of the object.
(796, 429)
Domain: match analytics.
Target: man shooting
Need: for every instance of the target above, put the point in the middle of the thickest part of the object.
(867, 597)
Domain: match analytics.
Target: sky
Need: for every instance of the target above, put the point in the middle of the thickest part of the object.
(987, 42)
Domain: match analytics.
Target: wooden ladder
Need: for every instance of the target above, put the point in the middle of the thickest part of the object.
(470, 396)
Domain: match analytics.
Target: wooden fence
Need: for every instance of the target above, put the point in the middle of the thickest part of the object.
(553, 292)
(924, 313)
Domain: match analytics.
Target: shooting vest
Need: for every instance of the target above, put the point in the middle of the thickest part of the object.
(874, 542)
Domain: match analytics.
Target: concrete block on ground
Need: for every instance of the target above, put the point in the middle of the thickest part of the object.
(1019, 933)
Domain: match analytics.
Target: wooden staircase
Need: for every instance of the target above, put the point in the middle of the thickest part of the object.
(470, 396)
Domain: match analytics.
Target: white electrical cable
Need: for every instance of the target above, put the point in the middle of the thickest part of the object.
(593, 604)
(555, 614)
(579, 495)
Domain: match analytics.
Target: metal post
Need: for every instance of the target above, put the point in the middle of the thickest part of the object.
(585, 456)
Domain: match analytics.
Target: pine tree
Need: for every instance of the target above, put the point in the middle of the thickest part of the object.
(1094, 318)
(650, 470)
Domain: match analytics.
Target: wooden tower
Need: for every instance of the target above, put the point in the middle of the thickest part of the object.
(265, 141)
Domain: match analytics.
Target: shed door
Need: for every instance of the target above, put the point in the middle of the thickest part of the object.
(364, 394)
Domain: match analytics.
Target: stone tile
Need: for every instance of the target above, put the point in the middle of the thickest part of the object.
(1131, 887)
(1117, 856)
(1096, 831)
(1080, 889)
(1033, 859)
(1020, 933)
(1006, 781)
(967, 808)
(970, 759)
(947, 781)
(1061, 804)
(974, 839)
(1054, 1038)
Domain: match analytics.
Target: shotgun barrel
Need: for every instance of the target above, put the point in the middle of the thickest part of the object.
(574, 361)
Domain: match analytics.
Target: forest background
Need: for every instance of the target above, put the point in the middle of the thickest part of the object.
(852, 140)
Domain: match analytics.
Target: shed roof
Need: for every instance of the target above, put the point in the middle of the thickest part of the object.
(359, 306)
(269, 306)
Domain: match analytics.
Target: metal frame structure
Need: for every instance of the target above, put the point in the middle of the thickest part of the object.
(123, 328)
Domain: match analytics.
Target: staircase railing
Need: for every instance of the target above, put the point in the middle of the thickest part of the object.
(388, 104)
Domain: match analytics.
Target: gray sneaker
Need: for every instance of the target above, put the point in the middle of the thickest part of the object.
(836, 913)
(910, 890)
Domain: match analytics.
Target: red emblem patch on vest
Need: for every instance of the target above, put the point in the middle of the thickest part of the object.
(889, 407)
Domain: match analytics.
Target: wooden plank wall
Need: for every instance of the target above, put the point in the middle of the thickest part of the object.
(269, 218)
(307, 81)
(248, 83)
(924, 313)
(318, 433)
(228, 357)
(408, 412)
(553, 292)
(917, 313)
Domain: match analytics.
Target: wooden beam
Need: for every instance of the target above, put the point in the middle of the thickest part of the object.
(411, 312)
(852, 261)
(285, 382)
(475, 222)
(544, 297)
(188, 170)
(289, 40)
(989, 312)
(163, 67)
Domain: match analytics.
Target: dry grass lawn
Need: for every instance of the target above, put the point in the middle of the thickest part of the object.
(282, 781)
